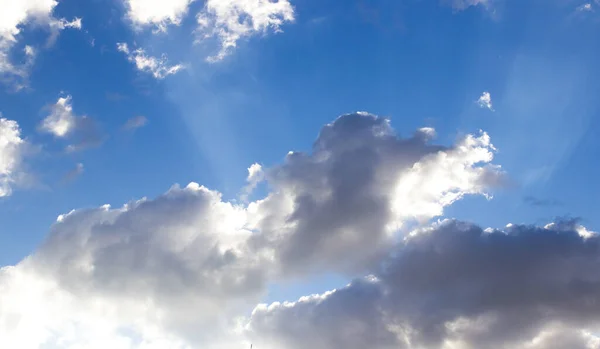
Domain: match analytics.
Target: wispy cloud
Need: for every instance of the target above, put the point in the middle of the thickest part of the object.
(158, 67)
(135, 123)
(74, 173)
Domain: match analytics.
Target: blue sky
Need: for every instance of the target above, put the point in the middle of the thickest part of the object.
(525, 72)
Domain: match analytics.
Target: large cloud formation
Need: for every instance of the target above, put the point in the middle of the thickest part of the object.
(360, 185)
(456, 285)
(184, 269)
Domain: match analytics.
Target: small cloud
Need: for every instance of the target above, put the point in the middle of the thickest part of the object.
(256, 175)
(426, 133)
(63, 123)
(61, 120)
(135, 123)
(158, 67)
(485, 101)
(585, 7)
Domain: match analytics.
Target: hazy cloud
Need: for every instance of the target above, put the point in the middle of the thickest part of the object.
(135, 123)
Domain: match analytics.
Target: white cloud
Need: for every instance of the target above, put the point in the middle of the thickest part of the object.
(62, 122)
(158, 67)
(256, 175)
(14, 16)
(179, 270)
(485, 101)
(11, 147)
(159, 13)
(233, 20)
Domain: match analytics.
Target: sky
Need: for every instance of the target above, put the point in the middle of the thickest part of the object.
(329, 174)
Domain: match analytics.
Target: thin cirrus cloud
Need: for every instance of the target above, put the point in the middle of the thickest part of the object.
(11, 153)
(62, 123)
(183, 269)
(14, 18)
(158, 67)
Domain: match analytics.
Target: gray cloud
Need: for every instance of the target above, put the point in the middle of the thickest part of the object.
(340, 205)
(457, 284)
(181, 269)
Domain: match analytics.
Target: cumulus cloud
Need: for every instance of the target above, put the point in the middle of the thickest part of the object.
(14, 17)
(158, 13)
(179, 270)
(62, 122)
(362, 177)
(135, 123)
(455, 285)
(11, 151)
(233, 20)
(158, 67)
(485, 101)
